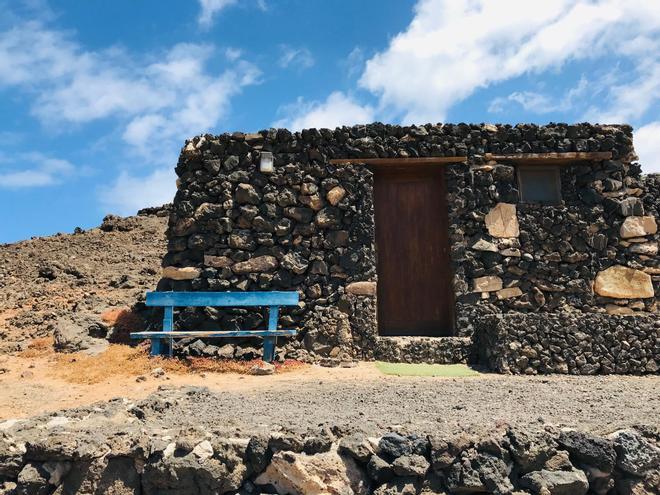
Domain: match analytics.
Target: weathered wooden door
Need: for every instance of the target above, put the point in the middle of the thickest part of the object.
(414, 276)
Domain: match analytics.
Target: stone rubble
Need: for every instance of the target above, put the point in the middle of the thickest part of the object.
(122, 448)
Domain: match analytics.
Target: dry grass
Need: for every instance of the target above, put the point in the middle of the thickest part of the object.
(122, 360)
(38, 348)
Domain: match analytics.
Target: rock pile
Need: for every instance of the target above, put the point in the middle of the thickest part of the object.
(62, 285)
(119, 448)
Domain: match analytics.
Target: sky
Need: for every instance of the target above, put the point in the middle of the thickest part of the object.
(97, 98)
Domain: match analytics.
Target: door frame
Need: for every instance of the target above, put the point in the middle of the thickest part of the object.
(392, 166)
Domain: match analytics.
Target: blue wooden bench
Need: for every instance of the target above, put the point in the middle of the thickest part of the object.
(161, 342)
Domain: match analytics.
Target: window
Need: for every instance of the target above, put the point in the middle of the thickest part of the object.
(539, 184)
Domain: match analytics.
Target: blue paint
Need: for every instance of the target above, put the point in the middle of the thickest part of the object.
(168, 326)
(215, 334)
(282, 298)
(273, 314)
(170, 300)
(155, 346)
(271, 342)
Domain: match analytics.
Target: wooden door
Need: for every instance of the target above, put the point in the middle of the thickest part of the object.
(414, 276)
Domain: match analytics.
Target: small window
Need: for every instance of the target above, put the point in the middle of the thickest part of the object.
(539, 184)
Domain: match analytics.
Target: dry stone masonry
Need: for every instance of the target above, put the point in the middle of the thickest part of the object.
(309, 226)
(124, 448)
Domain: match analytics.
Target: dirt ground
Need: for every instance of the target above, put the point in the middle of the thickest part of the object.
(362, 397)
(44, 279)
(101, 269)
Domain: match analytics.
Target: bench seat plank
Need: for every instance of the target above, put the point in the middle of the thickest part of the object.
(258, 298)
(211, 334)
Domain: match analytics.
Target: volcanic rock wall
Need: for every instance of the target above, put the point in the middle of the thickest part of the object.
(97, 453)
(570, 342)
(309, 226)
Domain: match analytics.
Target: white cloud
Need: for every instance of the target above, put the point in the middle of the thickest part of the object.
(153, 101)
(76, 86)
(337, 110)
(298, 58)
(353, 64)
(233, 54)
(128, 193)
(175, 96)
(199, 101)
(529, 100)
(33, 169)
(262, 5)
(209, 9)
(452, 48)
(534, 102)
(647, 146)
(629, 101)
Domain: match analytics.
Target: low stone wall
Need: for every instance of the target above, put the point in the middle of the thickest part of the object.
(569, 342)
(439, 350)
(139, 458)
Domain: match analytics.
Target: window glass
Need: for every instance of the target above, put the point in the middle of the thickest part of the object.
(539, 184)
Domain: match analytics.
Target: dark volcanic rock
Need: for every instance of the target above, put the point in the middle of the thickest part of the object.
(588, 449)
(635, 454)
(309, 226)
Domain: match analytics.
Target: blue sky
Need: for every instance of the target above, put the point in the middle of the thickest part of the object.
(98, 97)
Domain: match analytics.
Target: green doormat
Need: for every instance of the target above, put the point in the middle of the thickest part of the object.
(446, 370)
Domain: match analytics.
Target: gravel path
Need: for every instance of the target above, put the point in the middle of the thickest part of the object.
(373, 403)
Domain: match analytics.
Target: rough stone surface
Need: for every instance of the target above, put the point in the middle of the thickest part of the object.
(102, 272)
(622, 282)
(638, 227)
(357, 446)
(635, 454)
(575, 343)
(321, 473)
(399, 486)
(543, 482)
(335, 195)
(489, 283)
(123, 447)
(502, 221)
(329, 334)
(509, 293)
(260, 264)
(410, 465)
(589, 449)
(185, 273)
(362, 288)
(80, 332)
(263, 369)
(218, 261)
(317, 220)
(439, 350)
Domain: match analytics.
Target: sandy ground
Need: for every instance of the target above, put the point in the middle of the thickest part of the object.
(360, 397)
(30, 386)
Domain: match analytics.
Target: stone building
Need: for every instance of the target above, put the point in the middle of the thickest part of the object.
(529, 248)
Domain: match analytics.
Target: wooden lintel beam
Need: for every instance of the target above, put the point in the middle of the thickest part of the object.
(427, 160)
(513, 157)
(551, 157)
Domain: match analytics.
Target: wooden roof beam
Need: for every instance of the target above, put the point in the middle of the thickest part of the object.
(430, 160)
(547, 158)
(551, 157)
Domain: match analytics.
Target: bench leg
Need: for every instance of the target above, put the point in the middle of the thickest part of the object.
(168, 326)
(156, 347)
(269, 349)
(269, 342)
